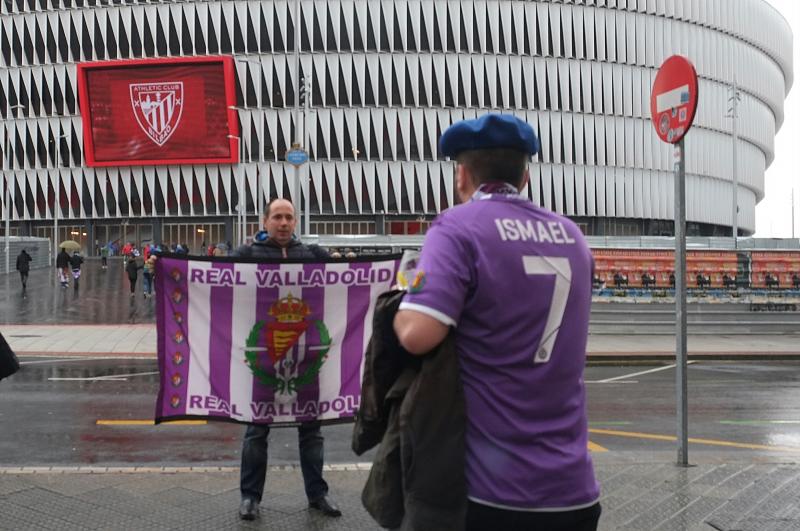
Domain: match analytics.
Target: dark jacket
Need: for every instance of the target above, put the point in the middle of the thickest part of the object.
(62, 259)
(24, 262)
(416, 409)
(268, 248)
(75, 261)
(132, 267)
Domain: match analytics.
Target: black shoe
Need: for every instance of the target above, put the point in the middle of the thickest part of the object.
(248, 509)
(326, 506)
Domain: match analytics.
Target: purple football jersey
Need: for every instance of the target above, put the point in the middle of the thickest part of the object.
(515, 280)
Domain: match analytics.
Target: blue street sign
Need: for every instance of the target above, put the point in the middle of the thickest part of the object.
(297, 157)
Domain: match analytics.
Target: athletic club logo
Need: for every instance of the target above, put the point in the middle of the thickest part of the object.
(275, 353)
(158, 108)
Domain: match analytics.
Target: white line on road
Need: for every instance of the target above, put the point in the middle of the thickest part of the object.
(619, 382)
(626, 376)
(109, 377)
(57, 360)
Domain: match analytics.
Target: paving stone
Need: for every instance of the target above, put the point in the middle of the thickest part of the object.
(640, 497)
(74, 484)
(12, 484)
(734, 514)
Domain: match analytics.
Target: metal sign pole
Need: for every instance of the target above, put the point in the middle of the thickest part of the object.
(680, 305)
(735, 163)
(57, 202)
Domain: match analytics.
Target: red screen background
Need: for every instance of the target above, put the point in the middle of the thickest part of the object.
(201, 135)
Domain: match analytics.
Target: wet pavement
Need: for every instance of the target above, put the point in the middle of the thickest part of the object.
(102, 297)
(75, 412)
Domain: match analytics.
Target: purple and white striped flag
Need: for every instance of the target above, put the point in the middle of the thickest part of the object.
(264, 342)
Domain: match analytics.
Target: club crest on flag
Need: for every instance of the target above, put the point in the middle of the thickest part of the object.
(158, 108)
(273, 344)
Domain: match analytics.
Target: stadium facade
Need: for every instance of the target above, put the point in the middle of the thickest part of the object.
(386, 78)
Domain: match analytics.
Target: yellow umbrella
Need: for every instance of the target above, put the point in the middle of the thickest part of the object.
(70, 245)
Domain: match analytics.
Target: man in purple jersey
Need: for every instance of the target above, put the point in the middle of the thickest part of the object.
(515, 282)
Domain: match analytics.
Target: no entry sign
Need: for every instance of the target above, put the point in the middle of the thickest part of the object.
(674, 100)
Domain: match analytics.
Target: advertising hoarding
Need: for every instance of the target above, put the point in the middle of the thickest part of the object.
(158, 111)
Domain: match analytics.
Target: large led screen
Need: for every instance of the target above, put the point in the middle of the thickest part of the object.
(158, 111)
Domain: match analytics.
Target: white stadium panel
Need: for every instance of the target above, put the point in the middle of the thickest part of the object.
(580, 71)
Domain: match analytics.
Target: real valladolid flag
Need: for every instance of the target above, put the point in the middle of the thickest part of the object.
(268, 343)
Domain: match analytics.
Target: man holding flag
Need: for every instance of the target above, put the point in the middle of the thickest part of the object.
(277, 240)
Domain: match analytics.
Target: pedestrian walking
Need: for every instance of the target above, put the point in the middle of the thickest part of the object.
(148, 275)
(24, 267)
(132, 267)
(62, 267)
(277, 241)
(104, 257)
(75, 262)
(514, 282)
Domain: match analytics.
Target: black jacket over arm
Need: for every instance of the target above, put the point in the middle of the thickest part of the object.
(413, 407)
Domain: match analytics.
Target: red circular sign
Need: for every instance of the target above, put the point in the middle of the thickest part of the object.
(673, 103)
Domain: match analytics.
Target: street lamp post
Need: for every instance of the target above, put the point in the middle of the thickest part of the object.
(57, 192)
(7, 203)
(298, 138)
(7, 200)
(307, 141)
(259, 204)
(241, 218)
(733, 113)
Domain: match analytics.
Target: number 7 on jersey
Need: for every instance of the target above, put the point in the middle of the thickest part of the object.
(560, 268)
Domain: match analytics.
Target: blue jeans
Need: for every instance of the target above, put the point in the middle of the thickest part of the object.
(254, 460)
(148, 283)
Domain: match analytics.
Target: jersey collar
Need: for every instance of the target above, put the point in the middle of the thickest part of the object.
(487, 190)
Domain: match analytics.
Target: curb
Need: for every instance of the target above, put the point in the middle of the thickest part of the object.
(617, 357)
(5, 471)
(80, 355)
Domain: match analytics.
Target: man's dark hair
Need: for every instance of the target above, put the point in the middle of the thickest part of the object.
(495, 165)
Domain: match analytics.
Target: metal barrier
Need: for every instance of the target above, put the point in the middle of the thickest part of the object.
(38, 248)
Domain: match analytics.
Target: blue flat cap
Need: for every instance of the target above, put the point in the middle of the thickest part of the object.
(490, 131)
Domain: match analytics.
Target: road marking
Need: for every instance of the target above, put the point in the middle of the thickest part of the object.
(626, 376)
(711, 442)
(619, 382)
(109, 377)
(62, 360)
(150, 422)
(99, 379)
(594, 447)
(758, 422)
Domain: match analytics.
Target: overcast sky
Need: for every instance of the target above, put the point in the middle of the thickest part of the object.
(774, 212)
